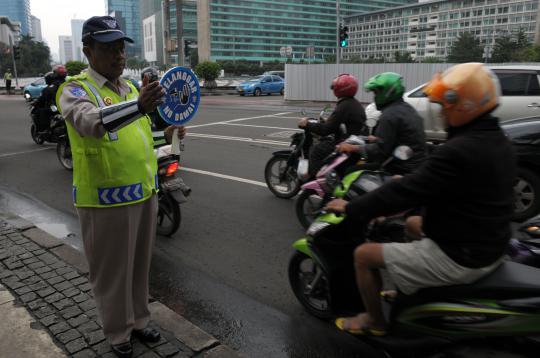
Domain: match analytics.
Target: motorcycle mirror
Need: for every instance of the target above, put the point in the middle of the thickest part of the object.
(370, 122)
(53, 108)
(403, 152)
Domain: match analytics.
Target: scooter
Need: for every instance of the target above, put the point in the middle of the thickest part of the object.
(506, 303)
(286, 169)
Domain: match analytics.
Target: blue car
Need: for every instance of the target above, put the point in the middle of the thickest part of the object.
(262, 84)
(33, 90)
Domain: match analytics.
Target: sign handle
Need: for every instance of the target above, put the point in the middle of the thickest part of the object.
(175, 144)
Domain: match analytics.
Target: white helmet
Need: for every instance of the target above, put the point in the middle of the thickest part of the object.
(372, 113)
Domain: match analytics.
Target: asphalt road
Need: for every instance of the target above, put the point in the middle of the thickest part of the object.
(226, 268)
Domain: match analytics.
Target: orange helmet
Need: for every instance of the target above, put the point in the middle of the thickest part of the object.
(465, 92)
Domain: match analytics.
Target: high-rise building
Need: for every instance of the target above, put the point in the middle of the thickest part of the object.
(66, 49)
(127, 13)
(76, 39)
(257, 30)
(36, 29)
(10, 31)
(18, 10)
(428, 29)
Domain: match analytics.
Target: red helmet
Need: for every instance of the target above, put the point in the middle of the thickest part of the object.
(344, 85)
(59, 72)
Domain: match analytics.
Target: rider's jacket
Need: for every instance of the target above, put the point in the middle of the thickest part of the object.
(465, 189)
(399, 124)
(113, 169)
(348, 111)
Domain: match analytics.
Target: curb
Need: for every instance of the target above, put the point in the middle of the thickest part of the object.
(189, 335)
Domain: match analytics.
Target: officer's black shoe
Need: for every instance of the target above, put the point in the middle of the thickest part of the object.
(146, 335)
(122, 350)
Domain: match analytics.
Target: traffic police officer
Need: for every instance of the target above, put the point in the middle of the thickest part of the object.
(114, 180)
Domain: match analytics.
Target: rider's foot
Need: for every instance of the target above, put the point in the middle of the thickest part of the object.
(361, 324)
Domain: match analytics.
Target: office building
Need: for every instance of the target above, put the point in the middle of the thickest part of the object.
(126, 12)
(429, 28)
(10, 31)
(257, 30)
(76, 40)
(66, 49)
(36, 29)
(18, 10)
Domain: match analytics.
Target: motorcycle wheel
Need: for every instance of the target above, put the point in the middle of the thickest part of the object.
(314, 296)
(526, 194)
(308, 206)
(35, 137)
(63, 152)
(286, 188)
(169, 216)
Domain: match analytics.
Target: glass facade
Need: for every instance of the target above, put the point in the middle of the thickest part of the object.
(18, 11)
(126, 12)
(255, 30)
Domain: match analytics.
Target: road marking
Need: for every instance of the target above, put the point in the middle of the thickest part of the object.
(27, 152)
(223, 176)
(239, 139)
(288, 117)
(253, 125)
(238, 120)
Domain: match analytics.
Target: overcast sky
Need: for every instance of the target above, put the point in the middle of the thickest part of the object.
(56, 15)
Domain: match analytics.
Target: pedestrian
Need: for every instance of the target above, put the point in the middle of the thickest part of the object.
(114, 180)
(7, 80)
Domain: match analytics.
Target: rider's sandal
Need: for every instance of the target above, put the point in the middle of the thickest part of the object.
(389, 296)
(366, 330)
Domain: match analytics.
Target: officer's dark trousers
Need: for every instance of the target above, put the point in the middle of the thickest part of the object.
(118, 246)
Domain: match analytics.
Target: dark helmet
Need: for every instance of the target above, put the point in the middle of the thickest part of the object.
(59, 73)
(49, 78)
(153, 74)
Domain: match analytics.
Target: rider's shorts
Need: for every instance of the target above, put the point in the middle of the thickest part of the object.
(421, 264)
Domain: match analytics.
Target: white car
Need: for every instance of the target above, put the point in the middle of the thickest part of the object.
(520, 98)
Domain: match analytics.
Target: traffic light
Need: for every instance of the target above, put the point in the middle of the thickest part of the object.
(16, 52)
(186, 47)
(343, 36)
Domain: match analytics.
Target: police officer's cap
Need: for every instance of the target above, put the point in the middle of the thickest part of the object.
(103, 29)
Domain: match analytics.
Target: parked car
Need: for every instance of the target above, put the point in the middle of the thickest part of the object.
(262, 84)
(520, 98)
(525, 136)
(33, 90)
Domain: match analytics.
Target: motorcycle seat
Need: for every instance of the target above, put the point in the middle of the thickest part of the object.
(509, 280)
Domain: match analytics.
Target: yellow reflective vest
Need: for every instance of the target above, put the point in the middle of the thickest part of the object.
(118, 169)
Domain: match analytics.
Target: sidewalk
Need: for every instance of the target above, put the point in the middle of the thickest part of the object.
(47, 309)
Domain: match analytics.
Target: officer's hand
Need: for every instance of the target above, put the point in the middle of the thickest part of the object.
(336, 206)
(168, 132)
(372, 139)
(347, 148)
(303, 123)
(150, 96)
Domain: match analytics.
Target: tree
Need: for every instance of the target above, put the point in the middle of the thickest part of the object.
(208, 71)
(511, 48)
(136, 63)
(403, 57)
(431, 59)
(73, 68)
(35, 57)
(193, 58)
(466, 48)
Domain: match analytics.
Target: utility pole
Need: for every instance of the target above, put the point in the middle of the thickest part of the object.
(180, 32)
(167, 30)
(338, 25)
(14, 64)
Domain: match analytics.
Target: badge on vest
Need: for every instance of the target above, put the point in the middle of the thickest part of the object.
(182, 98)
(78, 92)
(107, 101)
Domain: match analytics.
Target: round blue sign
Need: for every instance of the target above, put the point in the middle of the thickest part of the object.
(182, 97)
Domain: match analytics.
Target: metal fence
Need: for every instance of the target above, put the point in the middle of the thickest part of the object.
(312, 82)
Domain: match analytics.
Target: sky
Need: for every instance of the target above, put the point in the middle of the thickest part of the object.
(56, 15)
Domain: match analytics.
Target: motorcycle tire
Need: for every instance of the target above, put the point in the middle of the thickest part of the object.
(169, 215)
(316, 302)
(308, 206)
(292, 184)
(63, 152)
(527, 194)
(35, 137)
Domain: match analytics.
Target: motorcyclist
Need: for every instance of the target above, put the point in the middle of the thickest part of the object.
(465, 189)
(399, 124)
(47, 98)
(348, 111)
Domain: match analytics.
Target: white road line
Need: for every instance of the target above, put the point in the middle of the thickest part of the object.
(27, 152)
(252, 125)
(239, 139)
(237, 120)
(289, 117)
(223, 176)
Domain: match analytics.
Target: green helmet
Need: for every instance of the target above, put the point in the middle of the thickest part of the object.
(387, 86)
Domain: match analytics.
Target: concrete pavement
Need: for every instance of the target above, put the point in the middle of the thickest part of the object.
(47, 307)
